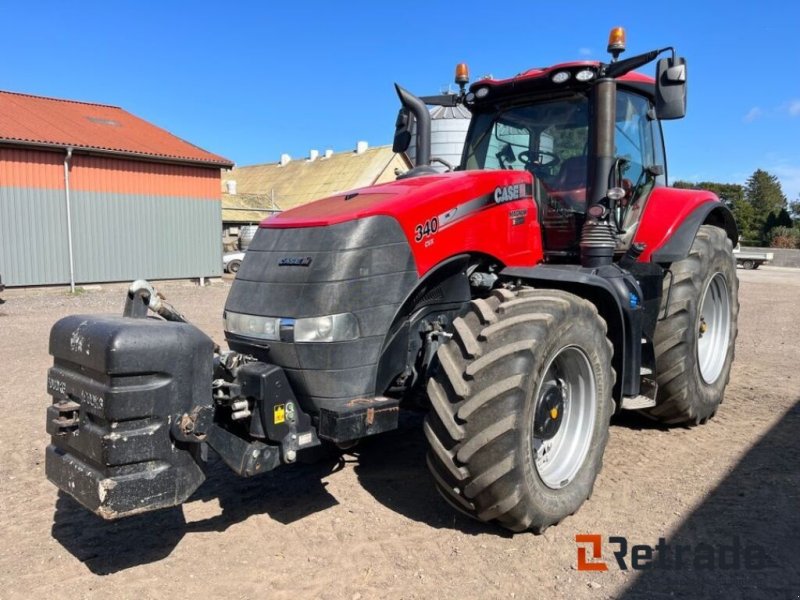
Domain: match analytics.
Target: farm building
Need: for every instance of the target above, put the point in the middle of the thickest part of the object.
(92, 193)
(252, 193)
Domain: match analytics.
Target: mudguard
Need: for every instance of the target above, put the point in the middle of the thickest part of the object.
(672, 218)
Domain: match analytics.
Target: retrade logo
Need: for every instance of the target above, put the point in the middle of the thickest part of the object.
(732, 555)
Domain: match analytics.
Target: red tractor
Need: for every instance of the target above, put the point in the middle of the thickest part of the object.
(548, 282)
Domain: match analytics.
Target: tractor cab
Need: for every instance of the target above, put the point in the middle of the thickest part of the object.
(546, 128)
(589, 133)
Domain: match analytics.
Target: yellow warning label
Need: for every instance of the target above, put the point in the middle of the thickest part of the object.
(280, 413)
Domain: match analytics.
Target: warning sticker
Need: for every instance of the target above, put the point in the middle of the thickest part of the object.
(280, 413)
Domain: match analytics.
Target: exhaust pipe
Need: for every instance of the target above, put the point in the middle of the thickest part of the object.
(420, 111)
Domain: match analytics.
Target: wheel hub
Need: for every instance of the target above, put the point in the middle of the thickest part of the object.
(549, 413)
(713, 328)
(563, 416)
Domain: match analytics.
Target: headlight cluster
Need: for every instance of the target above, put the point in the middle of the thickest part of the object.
(328, 328)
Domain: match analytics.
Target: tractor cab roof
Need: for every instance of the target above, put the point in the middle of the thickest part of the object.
(569, 76)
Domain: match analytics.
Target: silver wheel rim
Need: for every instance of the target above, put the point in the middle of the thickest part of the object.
(713, 328)
(559, 458)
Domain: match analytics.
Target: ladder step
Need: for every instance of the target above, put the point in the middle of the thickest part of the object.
(637, 402)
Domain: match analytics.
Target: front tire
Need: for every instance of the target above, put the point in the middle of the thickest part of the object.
(233, 266)
(520, 408)
(694, 343)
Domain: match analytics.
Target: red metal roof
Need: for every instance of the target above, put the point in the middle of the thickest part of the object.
(540, 72)
(37, 120)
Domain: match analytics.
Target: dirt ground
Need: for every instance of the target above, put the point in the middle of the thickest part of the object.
(372, 526)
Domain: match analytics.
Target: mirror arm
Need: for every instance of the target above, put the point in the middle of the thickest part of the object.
(622, 67)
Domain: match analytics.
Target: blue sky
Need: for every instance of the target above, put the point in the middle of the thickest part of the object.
(252, 80)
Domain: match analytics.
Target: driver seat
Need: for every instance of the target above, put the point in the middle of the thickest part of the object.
(572, 174)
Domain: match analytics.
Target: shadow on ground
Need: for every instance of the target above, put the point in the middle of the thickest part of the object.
(756, 506)
(392, 468)
(286, 495)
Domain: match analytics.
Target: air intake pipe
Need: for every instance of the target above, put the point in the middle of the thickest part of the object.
(598, 239)
(420, 111)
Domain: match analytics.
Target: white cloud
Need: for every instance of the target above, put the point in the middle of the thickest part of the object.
(753, 114)
(585, 51)
(794, 108)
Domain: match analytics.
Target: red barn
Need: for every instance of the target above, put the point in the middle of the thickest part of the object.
(91, 193)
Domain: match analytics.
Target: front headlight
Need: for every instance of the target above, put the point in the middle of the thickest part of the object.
(263, 328)
(328, 328)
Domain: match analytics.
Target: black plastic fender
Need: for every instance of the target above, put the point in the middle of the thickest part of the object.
(611, 289)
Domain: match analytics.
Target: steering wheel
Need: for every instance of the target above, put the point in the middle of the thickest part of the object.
(554, 161)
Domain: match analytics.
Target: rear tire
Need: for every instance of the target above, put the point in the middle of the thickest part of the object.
(498, 449)
(694, 344)
(749, 265)
(233, 266)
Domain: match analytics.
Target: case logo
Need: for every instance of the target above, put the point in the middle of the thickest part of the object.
(294, 261)
(507, 193)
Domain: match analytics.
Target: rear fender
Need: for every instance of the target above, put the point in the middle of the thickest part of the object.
(672, 218)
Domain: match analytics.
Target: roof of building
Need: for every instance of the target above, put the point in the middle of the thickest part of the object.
(276, 187)
(53, 122)
(459, 111)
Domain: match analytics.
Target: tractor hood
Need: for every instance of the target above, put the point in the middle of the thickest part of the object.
(434, 212)
(397, 198)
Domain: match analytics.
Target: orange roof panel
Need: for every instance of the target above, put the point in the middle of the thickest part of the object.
(98, 127)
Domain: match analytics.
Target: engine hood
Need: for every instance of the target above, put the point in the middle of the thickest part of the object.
(443, 215)
(397, 197)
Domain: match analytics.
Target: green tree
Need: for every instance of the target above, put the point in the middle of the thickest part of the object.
(733, 195)
(728, 192)
(794, 209)
(763, 191)
(745, 217)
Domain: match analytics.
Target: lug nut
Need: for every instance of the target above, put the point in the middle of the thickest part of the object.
(290, 455)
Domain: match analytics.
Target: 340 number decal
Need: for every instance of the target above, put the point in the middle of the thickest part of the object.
(423, 230)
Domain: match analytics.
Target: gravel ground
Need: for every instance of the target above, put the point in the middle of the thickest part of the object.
(371, 525)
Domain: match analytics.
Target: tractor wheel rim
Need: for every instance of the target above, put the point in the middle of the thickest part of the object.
(713, 328)
(559, 458)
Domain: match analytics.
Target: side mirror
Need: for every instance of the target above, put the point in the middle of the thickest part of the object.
(671, 88)
(402, 131)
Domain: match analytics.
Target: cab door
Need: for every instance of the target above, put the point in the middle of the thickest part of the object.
(640, 164)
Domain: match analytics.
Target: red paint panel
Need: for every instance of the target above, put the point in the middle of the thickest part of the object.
(45, 170)
(476, 228)
(666, 210)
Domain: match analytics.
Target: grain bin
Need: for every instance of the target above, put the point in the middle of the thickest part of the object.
(448, 130)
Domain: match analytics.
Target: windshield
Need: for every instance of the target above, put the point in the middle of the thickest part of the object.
(543, 138)
(550, 139)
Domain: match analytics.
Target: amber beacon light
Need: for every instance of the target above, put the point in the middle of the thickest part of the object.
(616, 41)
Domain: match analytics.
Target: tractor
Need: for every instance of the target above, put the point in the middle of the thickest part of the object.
(522, 298)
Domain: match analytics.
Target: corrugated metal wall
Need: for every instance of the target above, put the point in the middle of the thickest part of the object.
(130, 219)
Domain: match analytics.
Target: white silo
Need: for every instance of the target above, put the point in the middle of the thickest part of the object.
(448, 131)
